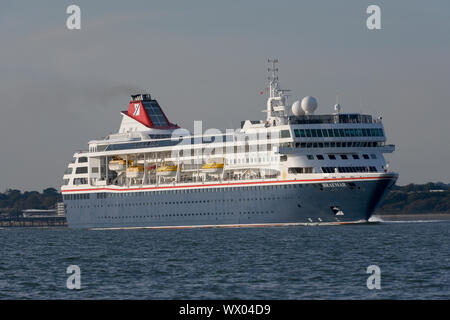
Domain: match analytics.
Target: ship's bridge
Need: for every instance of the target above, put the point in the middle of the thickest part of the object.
(332, 118)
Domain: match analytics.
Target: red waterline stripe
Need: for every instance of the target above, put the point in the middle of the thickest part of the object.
(228, 184)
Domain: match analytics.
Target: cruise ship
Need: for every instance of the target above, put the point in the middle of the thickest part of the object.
(294, 167)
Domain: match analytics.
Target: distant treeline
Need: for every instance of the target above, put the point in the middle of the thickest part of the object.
(12, 202)
(417, 198)
(412, 198)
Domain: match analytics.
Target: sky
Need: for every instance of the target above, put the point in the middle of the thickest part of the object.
(207, 60)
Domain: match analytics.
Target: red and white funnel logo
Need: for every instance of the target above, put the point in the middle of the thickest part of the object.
(137, 108)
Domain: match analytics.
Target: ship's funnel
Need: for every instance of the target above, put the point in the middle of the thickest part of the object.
(148, 112)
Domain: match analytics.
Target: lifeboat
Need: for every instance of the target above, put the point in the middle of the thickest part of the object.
(167, 170)
(212, 167)
(117, 164)
(135, 171)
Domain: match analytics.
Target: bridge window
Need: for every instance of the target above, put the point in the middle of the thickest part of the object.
(330, 133)
(336, 133)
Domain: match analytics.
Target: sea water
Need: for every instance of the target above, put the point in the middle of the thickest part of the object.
(313, 262)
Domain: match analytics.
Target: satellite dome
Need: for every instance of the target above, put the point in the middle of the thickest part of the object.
(309, 105)
(297, 109)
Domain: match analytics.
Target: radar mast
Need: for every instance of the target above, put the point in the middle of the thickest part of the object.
(276, 103)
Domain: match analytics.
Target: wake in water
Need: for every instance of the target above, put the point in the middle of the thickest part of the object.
(413, 221)
(375, 219)
(379, 219)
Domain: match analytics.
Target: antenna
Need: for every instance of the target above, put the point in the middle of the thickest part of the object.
(274, 70)
(273, 78)
(276, 102)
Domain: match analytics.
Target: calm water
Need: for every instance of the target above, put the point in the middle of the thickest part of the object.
(246, 263)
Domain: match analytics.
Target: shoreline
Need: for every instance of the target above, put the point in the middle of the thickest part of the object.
(33, 222)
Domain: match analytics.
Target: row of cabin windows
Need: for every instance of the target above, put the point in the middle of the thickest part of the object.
(349, 169)
(358, 144)
(104, 195)
(184, 191)
(186, 214)
(338, 133)
(342, 156)
(80, 196)
(158, 203)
